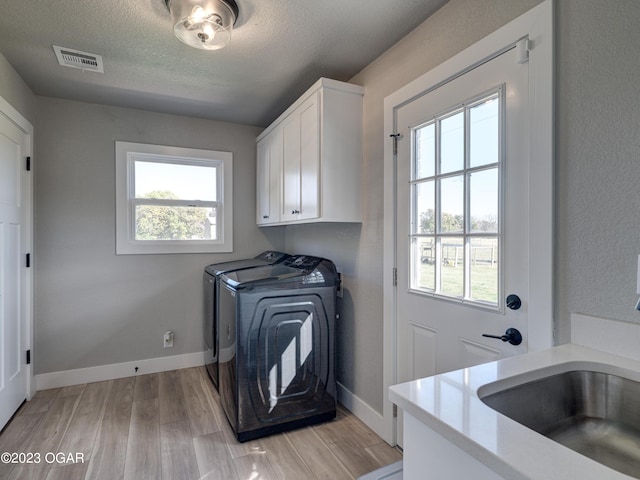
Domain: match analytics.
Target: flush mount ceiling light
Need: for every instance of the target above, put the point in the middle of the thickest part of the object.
(204, 24)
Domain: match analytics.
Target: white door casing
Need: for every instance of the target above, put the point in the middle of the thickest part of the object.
(15, 277)
(536, 26)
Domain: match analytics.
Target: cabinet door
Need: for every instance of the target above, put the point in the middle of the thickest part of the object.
(269, 167)
(291, 168)
(275, 176)
(309, 160)
(263, 203)
(301, 162)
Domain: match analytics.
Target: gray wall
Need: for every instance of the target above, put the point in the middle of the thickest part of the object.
(597, 160)
(15, 91)
(597, 168)
(91, 306)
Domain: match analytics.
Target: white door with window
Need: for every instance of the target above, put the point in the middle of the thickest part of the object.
(14, 284)
(469, 208)
(462, 226)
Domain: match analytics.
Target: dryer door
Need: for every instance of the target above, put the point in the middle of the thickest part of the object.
(288, 349)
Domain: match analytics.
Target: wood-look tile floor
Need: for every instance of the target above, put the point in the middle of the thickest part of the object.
(170, 426)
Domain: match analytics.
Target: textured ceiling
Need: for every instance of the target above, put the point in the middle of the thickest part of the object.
(279, 48)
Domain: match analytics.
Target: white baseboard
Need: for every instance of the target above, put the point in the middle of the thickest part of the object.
(362, 410)
(100, 373)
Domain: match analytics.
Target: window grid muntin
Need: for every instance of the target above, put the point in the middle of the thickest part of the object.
(494, 94)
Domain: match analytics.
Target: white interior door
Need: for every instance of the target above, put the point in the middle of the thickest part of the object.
(462, 220)
(13, 322)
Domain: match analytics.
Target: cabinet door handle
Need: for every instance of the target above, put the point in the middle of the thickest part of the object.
(265, 217)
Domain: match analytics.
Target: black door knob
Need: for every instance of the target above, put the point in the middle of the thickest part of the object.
(513, 302)
(512, 335)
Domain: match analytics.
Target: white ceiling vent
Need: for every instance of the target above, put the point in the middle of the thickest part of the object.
(67, 57)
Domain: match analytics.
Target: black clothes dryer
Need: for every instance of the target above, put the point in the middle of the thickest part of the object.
(210, 281)
(276, 361)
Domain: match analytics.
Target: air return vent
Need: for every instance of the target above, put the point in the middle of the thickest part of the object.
(68, 57)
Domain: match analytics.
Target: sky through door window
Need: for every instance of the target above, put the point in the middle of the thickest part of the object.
(172, 200)
(456, 220)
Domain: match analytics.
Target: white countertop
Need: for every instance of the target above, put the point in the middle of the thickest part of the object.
(449, 405)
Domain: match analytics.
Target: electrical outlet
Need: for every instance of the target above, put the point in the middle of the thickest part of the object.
(168, 339)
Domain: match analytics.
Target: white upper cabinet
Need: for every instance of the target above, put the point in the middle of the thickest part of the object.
(269, 172)
(310, 159)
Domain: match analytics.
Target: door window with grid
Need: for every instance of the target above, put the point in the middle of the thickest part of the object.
(456, 220)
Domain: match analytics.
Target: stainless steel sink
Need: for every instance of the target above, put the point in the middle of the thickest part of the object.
(595, 414)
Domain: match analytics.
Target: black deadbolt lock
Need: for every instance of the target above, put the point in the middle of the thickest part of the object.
(513, 302)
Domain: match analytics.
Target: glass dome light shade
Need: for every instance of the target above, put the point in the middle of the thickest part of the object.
(203, 24)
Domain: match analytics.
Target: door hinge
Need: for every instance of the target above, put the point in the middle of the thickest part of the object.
(395, 137)
(395, 277)
(28, 262)
(28, 357)
(28, 164)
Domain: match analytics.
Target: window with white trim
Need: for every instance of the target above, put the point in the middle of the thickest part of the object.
(456, 203)
(172, 199)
